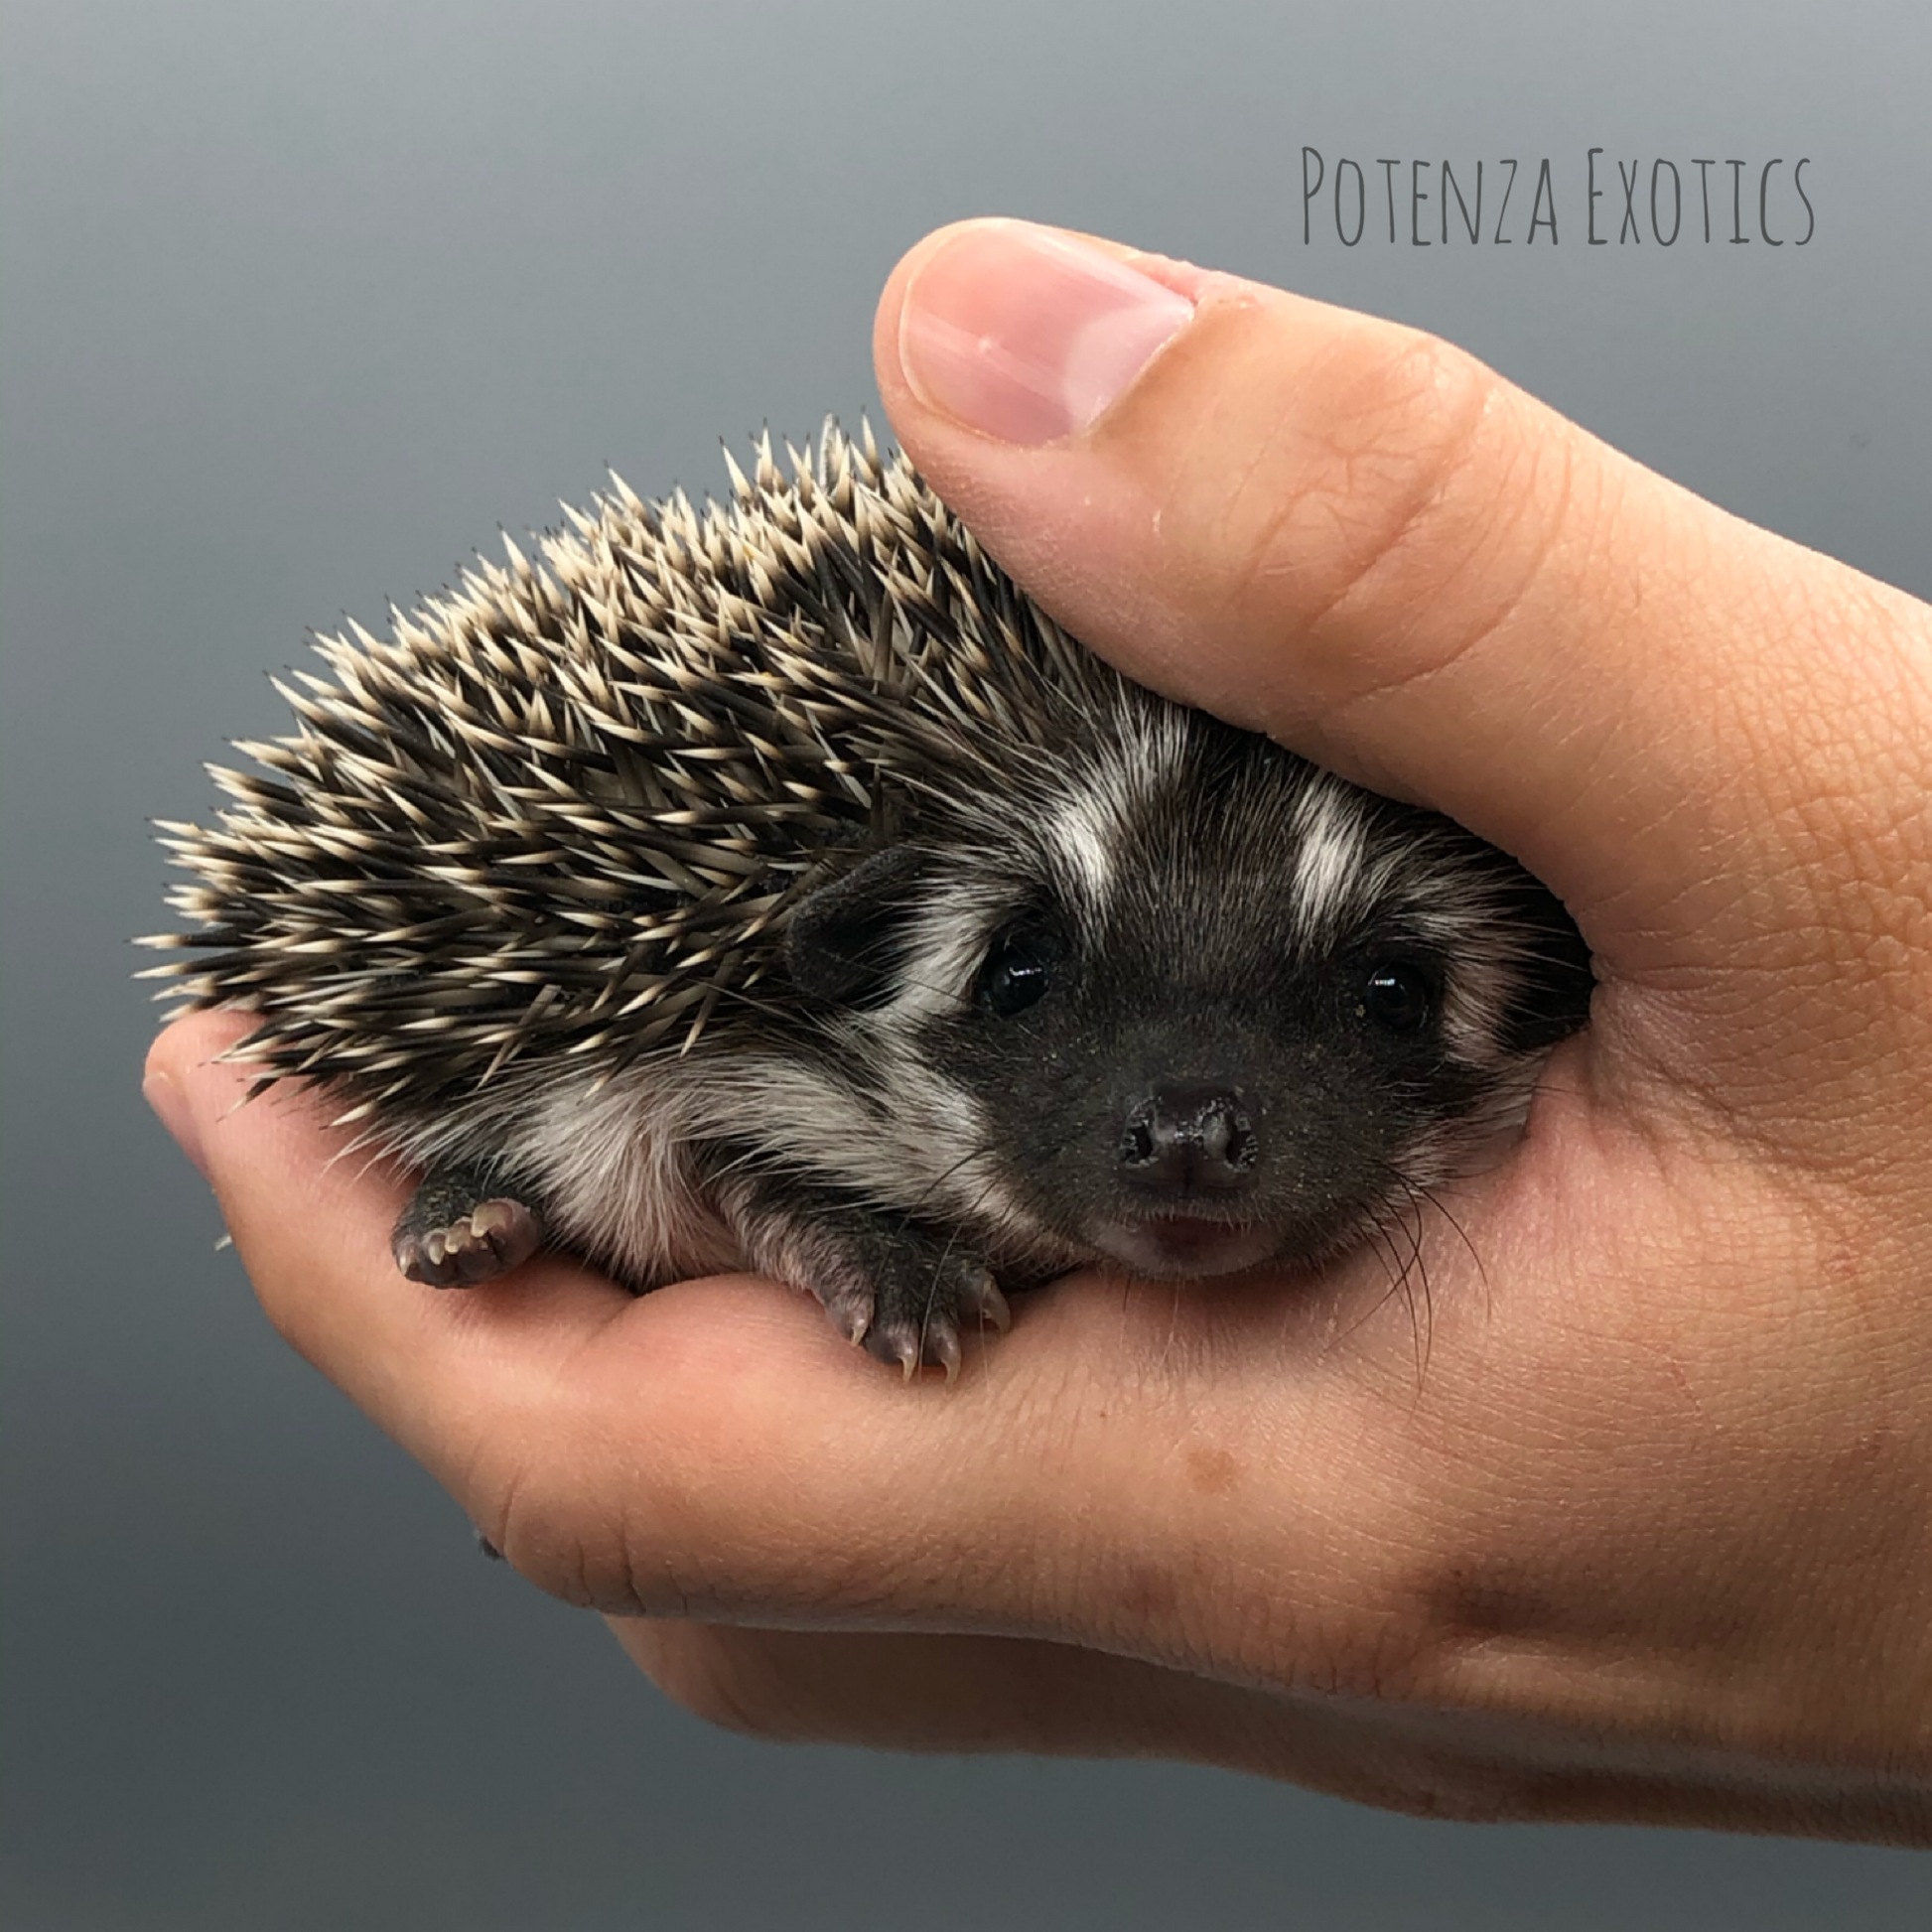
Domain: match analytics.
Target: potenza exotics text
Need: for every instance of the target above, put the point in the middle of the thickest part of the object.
(1601, 199)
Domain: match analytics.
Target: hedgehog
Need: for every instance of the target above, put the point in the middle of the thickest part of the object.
(772, 883)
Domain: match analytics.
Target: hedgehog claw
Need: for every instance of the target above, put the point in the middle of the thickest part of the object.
(980, 1300)
(942, 1345)
(900, 1344)
(851, 1314)
(495, 1236)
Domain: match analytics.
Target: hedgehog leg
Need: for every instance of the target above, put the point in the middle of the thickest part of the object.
(461, 1228)
(898, 1290)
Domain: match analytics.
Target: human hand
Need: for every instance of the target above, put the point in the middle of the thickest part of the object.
(1645, 1531)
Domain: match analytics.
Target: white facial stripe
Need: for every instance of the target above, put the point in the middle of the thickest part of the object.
(1087, 826)
(1329, 862)
(1082, 833)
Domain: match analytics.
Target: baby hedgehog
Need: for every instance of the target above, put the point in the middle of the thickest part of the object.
(773, 884)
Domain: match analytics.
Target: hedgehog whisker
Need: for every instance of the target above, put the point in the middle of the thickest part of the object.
(1410, 1223)
(1405, 1265)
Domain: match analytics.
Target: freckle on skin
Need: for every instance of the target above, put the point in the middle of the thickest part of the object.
(1147, 1594)
(1213, 1472)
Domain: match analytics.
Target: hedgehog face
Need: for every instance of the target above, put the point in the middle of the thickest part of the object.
(1190, 1109)
(1207, 1008)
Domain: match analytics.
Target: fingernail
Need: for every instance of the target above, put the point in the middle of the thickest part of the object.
(177, 1114)
(1028, 334)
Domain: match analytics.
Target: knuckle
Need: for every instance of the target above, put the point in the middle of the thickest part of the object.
(1365, 479)
(595, 1539)
(553, 1538)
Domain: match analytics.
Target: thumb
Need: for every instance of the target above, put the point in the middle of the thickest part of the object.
(1350, 535)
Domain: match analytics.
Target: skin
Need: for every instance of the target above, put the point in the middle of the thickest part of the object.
(1629, 1518)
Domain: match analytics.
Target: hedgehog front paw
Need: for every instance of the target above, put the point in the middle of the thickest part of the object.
(909, 1307)
(902, 1291)
(456, 1233)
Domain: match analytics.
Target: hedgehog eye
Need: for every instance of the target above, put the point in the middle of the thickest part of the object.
(1018, 970)
(1397, 997)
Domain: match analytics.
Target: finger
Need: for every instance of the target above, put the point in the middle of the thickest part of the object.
(311, 1217)
(715, 1449)
(912, 1691)
(1347, 534)
(916, 1693)
(989, 1693)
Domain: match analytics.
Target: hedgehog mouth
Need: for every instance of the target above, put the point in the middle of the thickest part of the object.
(1184, 1247)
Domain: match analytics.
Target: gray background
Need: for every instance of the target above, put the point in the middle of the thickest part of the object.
(300, 302)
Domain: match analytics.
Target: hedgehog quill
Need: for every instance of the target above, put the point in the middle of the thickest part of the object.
(771, 884)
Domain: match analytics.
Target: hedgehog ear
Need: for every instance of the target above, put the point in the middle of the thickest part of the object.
(841, 940)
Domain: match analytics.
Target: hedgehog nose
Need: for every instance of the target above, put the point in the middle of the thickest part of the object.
(1187, 1137)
